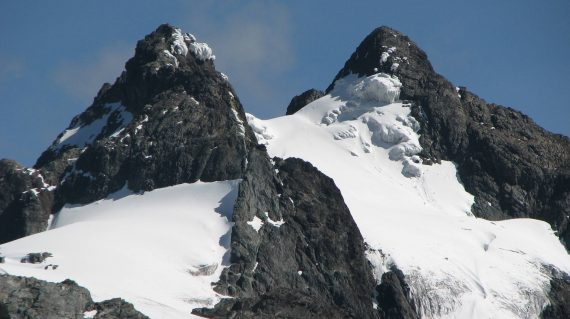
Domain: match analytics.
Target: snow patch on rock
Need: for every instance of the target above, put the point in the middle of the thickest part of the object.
(255, 223)
(178, 45)
(202, 51)
(262, 133)
(171, 58)
(83, 134)
(276, 223)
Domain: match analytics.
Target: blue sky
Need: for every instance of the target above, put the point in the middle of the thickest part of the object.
(54, 58)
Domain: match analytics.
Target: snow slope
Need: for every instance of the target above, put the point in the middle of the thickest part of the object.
(160, 250)
(417, 217)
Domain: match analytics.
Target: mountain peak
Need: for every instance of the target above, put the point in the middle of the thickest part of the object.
(170, 90)
(169, 46)
(385, 50)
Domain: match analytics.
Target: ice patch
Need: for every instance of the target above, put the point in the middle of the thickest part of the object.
(241, 128)
(350, 132)
(378, 88)
(189, 37)
(178, 45)
(384, 57)
(262, 133)
(202, 51)
(85, 133)
(277, 223)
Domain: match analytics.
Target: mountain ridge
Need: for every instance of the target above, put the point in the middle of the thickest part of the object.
(172, 119)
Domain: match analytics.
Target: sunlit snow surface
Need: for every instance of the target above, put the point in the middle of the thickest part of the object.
(148, 249)
(416, 216)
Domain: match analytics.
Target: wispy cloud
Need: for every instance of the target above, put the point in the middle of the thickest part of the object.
(11, 68)
(252, 42)
(83, 78)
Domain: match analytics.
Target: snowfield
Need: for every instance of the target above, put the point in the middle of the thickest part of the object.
(160, 250)
(413, 216)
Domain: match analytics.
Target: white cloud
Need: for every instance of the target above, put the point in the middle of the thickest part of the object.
(253, 42)
(83, 78)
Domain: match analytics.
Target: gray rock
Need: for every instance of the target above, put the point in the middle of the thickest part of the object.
(117, 308)
(394, 297)
(30, 298)
(25, 204)
(299, 101)
(36, 258)
(559, 306)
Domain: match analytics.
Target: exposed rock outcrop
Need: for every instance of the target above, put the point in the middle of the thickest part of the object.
(25, 201)
(29, 298)
(299, 101)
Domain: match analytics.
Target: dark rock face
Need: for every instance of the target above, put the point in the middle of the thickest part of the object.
(393, 296)
(512, 166)
(25, 201)
(29, 298)
(559, 306)
(32, 298)
(117, 308)
(311, 266)
(299, 101)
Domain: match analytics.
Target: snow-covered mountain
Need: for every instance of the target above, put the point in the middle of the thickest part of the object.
(393, 194)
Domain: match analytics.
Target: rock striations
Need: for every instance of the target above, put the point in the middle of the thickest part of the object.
(295, 250)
